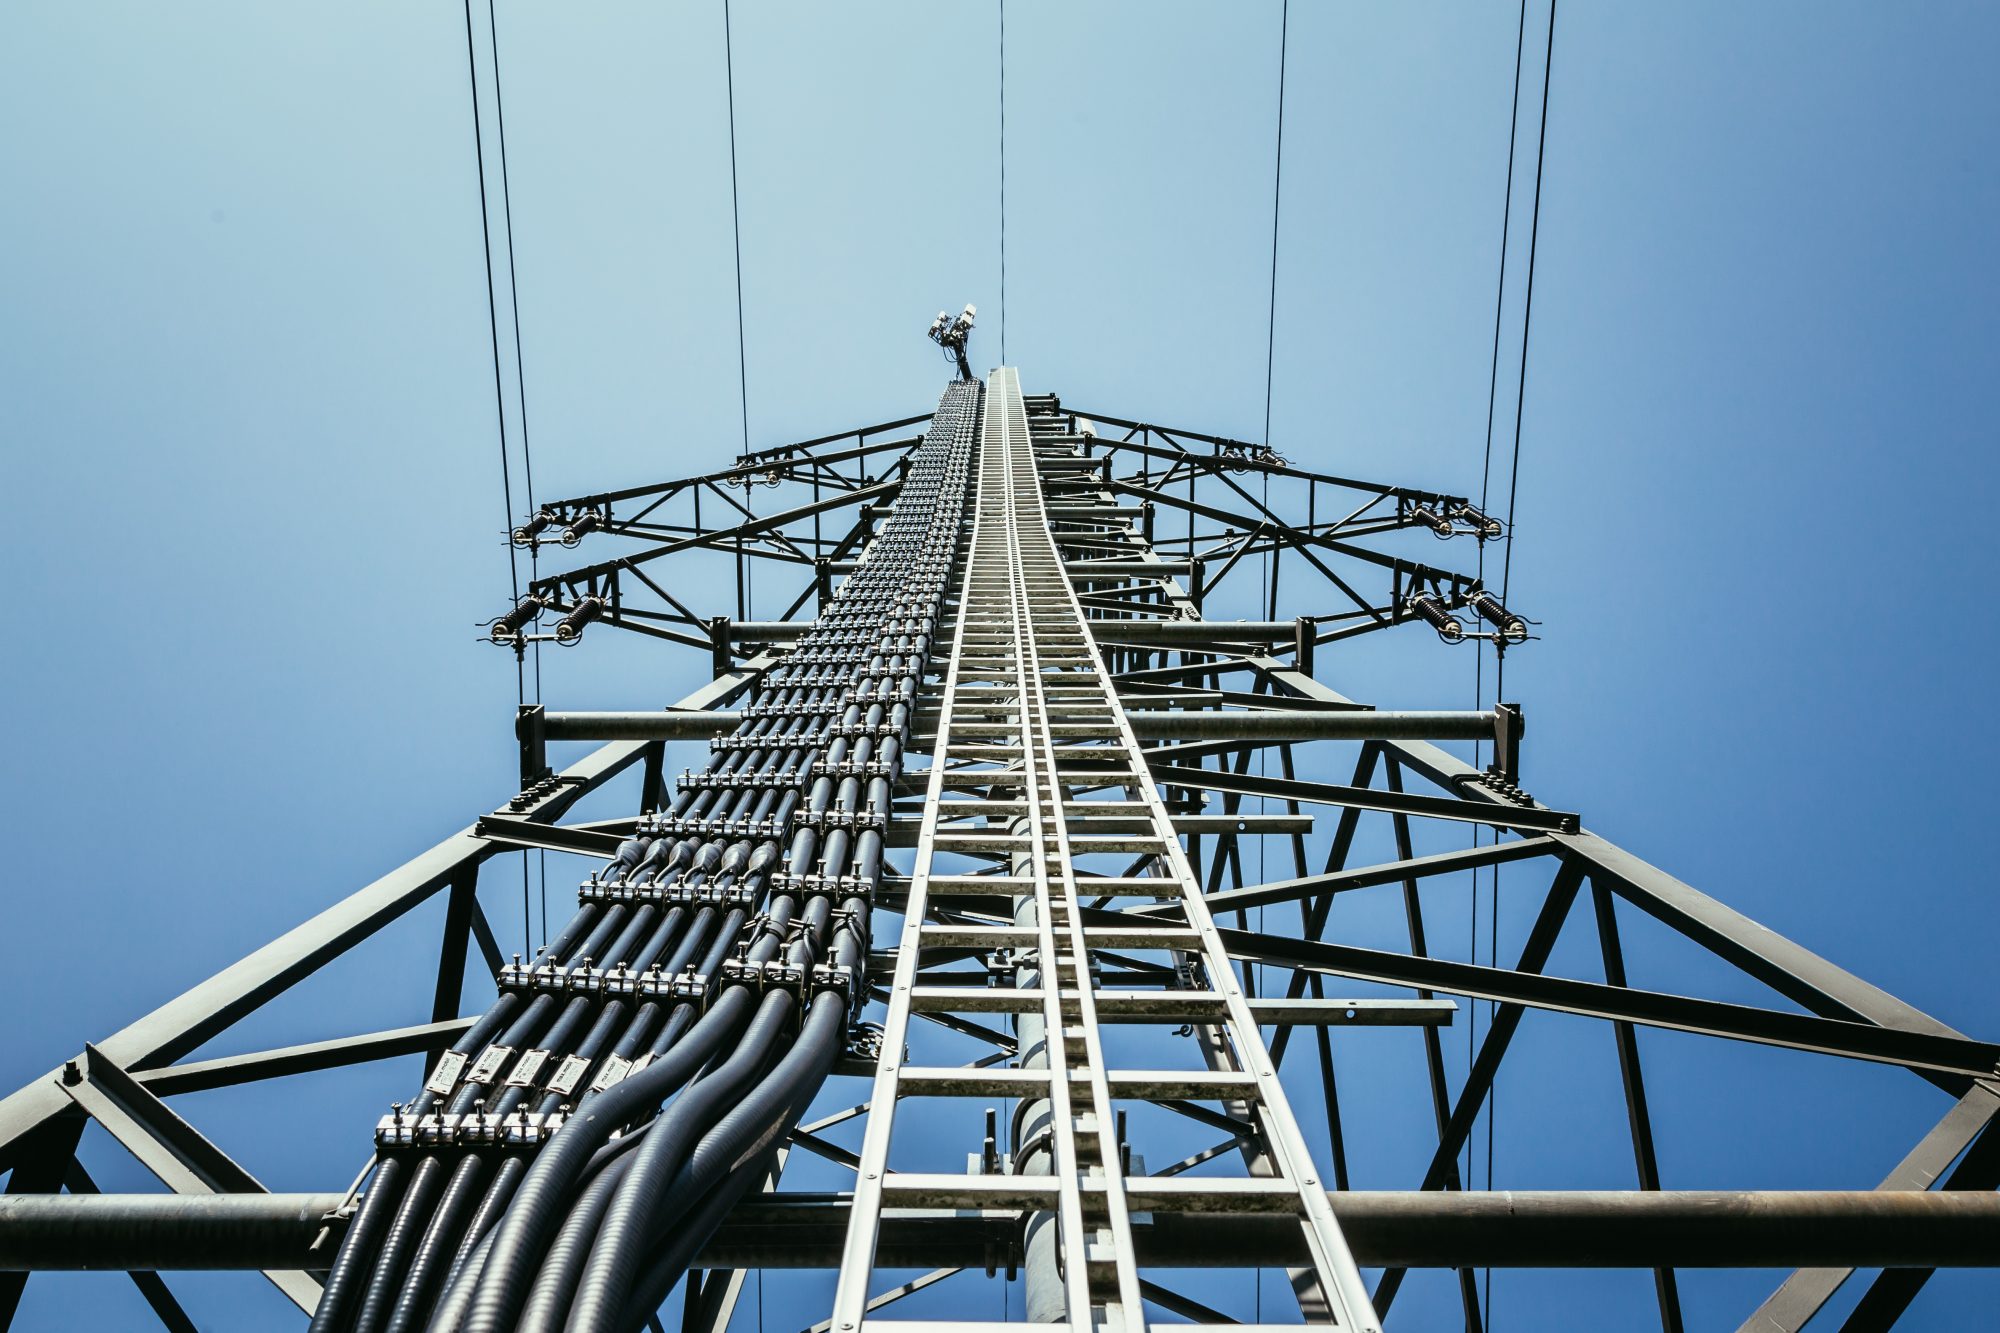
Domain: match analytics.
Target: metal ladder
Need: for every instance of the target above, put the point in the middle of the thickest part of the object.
(1031, 738)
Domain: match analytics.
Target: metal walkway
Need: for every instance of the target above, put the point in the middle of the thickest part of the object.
(1033, 744)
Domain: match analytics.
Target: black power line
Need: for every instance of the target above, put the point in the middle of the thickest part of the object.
(1485, 484)
(1527, 327)
(1277, 195)
(736, 226)
(1513, 492)
(499, 388)
(514, 300)
(521, 393)
(493, 321)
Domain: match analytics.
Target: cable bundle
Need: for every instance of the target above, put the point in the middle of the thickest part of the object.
(687, 1034)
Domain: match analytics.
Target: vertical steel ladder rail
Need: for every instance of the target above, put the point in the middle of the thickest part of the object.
(1028, 719)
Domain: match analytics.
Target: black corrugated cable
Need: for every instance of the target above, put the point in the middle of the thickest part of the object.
(871, 624)
(735, 1150)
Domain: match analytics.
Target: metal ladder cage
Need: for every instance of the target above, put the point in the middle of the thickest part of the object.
(960, 905)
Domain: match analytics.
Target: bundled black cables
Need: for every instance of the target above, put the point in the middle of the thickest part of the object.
(572, 1152)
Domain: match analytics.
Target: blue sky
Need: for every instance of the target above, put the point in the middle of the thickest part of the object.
(247, 406)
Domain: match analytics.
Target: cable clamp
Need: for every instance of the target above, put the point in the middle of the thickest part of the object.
(778, 741)
(839, 979)
(864, 1041)
(760, 781)
(734, 894)
(814, 884)
(725, 826)
(401, 1131)
(842, 819)
(767, 976)
(853, 768)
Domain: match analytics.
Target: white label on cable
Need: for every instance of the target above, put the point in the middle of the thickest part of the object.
(487, 1067)
(568, 1075)
(614, 1069)
(526, 1069)
(445, 1077)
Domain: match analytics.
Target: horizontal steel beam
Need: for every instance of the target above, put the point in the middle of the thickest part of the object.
(1438, 1229)
(663, 724)
(1405, 1229)
(1147, 724)
(167, 1232)
(1294, 724)
(1145, 632)
(1081, 569)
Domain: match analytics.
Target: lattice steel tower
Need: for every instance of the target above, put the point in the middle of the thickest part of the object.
(959, 861)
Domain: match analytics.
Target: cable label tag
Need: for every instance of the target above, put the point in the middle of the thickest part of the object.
(568, 1075)
(445, 1077)
(614, 1069)
(487, 1067)
(527, 1068)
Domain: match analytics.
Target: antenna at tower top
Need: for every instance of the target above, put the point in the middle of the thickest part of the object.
(950, 334)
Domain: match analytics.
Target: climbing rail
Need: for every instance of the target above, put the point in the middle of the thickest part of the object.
(1033, 746)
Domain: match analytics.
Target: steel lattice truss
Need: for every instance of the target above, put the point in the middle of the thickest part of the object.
(1023, 904)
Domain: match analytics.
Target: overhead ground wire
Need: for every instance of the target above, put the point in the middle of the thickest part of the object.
(1486, 480)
